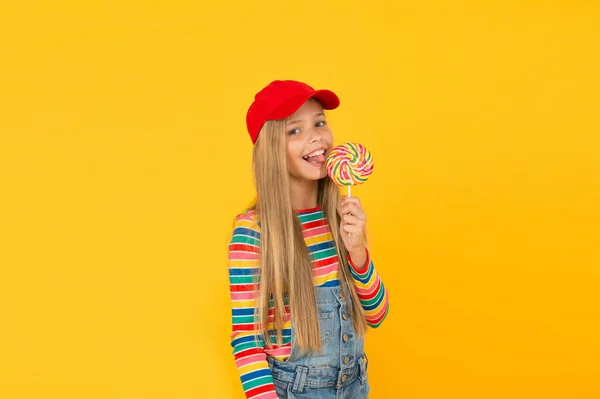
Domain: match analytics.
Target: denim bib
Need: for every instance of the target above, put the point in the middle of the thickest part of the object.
(339, 371)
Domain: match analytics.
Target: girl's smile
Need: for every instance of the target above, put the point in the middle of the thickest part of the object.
(316, 158)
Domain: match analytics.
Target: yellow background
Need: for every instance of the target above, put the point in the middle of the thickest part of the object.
(124, 158)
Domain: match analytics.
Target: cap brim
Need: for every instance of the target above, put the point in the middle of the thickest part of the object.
(328, 100)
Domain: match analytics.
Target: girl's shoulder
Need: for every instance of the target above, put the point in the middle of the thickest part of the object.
(248, 219)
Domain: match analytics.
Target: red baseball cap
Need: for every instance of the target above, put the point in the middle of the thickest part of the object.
(280, 99)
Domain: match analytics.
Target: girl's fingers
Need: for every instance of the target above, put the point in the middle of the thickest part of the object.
(352, 209)
(350, 205)
(348, 228)
(351, 219)
(346, 198)
(351, 201)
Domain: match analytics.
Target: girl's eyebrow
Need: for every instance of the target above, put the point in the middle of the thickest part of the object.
(300, 120)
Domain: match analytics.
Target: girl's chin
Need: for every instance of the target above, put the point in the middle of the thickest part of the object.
(309, 172)
(310, 176)
(317, 174)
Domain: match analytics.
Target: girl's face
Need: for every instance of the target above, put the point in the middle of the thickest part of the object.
(308, 142)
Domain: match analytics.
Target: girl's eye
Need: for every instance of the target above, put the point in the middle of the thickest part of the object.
(320, 124)
(294, 131)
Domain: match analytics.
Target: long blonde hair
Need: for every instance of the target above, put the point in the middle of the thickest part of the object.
(284, 259)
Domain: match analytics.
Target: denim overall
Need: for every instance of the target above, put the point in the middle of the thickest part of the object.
(339, 371)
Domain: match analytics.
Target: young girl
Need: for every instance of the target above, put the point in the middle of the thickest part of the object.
(298, 259)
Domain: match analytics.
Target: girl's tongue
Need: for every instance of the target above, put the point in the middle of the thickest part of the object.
(317, 159)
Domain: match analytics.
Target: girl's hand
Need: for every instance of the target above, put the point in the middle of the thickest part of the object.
(352, 229)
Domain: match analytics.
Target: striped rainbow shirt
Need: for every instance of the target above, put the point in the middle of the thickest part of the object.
(244, 265)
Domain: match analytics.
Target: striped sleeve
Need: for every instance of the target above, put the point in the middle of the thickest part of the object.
(248, 345)
(371, 292)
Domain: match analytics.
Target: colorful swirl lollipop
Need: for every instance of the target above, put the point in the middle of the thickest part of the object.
(349, 164)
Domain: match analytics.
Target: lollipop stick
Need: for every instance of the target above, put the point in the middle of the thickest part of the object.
(349, 195)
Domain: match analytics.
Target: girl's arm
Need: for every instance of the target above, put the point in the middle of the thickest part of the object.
(371, 292)
(370, 289)
(248, 345)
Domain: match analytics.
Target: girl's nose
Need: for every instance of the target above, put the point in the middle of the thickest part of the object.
(315, 135)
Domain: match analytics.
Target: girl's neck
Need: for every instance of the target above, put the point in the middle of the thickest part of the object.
(304, 194)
